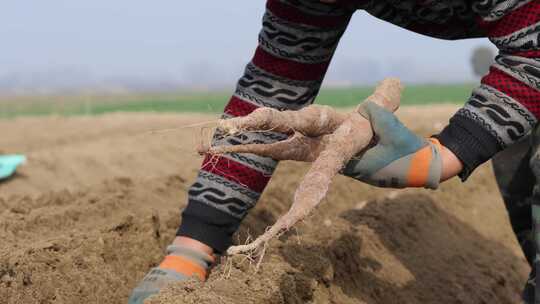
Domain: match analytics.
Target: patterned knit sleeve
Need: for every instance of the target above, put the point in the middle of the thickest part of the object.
(506, 106)
(296, 43)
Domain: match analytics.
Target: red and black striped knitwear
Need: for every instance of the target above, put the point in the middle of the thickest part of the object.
(296, 43)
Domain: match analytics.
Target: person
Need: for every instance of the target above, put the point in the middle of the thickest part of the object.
(296, 44)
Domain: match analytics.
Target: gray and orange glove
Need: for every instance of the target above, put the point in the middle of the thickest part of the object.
(180, 264)
(400, 158)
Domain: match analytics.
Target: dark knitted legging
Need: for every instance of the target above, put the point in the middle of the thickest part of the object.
(295, 48)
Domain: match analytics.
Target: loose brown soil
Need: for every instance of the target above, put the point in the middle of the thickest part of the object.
(100, 199)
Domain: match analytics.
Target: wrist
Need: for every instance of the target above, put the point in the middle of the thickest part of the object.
(470, 142)
(451, 165)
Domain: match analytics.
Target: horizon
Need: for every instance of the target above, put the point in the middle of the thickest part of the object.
(135, 45)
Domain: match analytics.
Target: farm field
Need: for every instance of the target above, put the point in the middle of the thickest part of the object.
(101, 195)
(207, 102)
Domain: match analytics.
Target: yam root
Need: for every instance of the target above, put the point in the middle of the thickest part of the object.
(312, 121)
(322, 136)
(298, 148)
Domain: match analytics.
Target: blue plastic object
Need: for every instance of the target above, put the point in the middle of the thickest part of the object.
(9, 163)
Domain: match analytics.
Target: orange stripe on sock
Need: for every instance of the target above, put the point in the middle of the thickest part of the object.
(183, 266)
(419, 169)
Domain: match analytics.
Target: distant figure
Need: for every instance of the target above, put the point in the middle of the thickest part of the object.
(481, 60)
(296, 44)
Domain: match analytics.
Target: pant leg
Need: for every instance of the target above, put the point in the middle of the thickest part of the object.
(296, 43)
(516, 182)
(535, 167)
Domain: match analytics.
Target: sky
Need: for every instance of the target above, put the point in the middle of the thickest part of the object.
(198, 43)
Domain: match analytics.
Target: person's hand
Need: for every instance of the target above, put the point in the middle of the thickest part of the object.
(400, 158)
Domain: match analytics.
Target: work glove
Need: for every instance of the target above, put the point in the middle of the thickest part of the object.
(180, 264)
(399, 158)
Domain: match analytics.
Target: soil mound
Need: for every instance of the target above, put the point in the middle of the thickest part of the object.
(100, 200)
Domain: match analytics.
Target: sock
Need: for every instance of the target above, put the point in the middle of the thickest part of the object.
(180, 264)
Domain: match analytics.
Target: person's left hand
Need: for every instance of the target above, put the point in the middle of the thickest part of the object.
(400, 158)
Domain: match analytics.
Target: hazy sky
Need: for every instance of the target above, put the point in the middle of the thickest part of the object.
(199, 41)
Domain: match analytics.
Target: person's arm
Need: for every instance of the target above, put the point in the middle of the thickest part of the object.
(451, 164)
(296, 44)
(507, 104)
(501, 111)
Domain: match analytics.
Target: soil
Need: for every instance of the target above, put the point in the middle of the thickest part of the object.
(100, 199)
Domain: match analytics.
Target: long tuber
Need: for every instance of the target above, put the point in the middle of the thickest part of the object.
(321, 135)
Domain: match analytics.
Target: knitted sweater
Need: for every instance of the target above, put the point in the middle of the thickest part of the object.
(296, 44)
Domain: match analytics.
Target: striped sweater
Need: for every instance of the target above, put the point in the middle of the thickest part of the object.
(296, 44)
